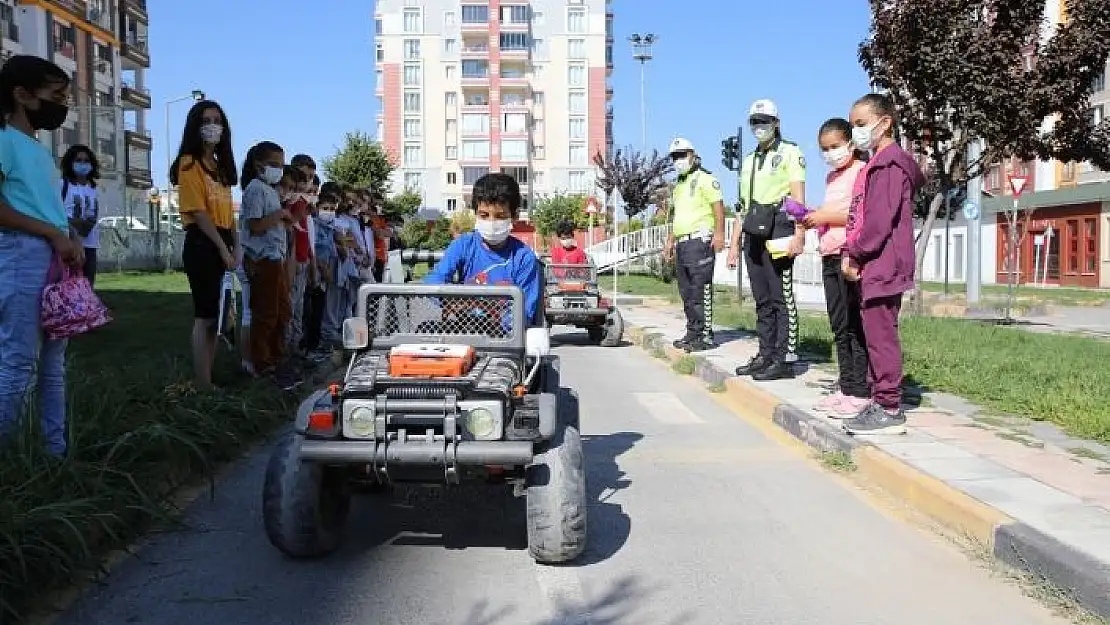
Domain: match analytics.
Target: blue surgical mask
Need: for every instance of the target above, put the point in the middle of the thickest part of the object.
(272, 175)
(82, 168)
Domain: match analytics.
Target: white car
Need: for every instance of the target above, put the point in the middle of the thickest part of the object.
(122, 223)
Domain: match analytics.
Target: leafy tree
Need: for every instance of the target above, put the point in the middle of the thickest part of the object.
(414, 234)
(361, 162)
(551, 210)
(639, 178)
(404, 204)
(462, 221)
(955, 69)
(439, 235)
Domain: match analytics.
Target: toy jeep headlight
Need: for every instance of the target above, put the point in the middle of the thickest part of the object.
(358, 419)
(482, 420)
(557, 302)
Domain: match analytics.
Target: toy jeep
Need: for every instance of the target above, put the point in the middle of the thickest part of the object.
(445, 384)
(572, 297)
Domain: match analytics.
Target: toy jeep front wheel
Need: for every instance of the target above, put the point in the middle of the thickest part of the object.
(556, 499)
(304, 505)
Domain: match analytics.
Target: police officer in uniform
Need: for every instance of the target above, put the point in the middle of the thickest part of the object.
(697, 234)
(775, 170)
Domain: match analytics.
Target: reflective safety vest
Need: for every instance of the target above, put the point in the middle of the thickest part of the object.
(692, 201)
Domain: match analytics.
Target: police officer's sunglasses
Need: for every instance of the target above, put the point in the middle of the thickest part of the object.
(758, 120)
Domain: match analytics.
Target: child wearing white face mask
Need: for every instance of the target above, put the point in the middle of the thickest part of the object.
(490, 254)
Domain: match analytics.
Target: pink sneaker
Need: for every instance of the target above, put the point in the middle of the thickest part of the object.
(848, 407)
(830, 402)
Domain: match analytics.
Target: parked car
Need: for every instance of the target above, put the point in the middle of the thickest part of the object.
(122, 223)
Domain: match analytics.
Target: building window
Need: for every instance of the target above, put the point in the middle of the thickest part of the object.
(475, 150)
(514, 123)
(475, 14)
(472, 174)
(413, 181)
(1097, 114)
(452, 178)
(452, 205)
(412, 155)
(451, 98)
(1068, 173)
(938, 257)
(476, 99)
(537, 98)
(412, 128)
(412, 102)
(1090, 244)
(576, 48)
(412, 49)
(578, 154)
(576, 180)
(576, 102)
(379, 77)
(1099, 83)
(514, 14)
(514, 42)
(451, 128)
(450, 46)
(475, 123)
(378, 26)
(515, 150)
(538, 152)
(412, 21)
(379, 53)
(576, 20)
(520, 174)
(537, 178)
(380, 130)
(451, 152)
(448, 18)
(576, 75)
(577, 128)
(475, 69)
(412, 75)
(449, 72)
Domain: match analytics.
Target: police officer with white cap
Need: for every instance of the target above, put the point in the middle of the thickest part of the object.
(775, 170)
(697, 234)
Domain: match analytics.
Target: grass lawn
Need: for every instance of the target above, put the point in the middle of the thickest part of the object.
(1057, 378)
(138, 431)
(1059, 296)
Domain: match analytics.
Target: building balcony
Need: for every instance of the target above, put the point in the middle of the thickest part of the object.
(515, 53)
(137, 97)
(139, 178)
(609, 94)
(136, 9)
(515, 27)
(134, 53)
(138, 138)
(474, 50)
(475, 79)
(474, 27)
(77, 7)
(511, 79)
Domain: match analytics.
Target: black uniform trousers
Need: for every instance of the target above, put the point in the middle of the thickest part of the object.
(842, 299)
(694, 261)
(772, 284)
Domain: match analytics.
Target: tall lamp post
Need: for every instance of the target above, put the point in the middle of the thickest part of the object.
(641, 51)
(197, 95)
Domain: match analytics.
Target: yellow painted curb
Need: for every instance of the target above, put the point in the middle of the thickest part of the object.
(956, 510)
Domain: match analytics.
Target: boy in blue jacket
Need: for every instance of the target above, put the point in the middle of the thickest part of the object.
(490, 254)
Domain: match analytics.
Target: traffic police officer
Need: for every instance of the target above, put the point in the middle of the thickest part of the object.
(774, 170)
(697, 234)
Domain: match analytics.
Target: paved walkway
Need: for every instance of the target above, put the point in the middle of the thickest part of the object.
(1031, 471)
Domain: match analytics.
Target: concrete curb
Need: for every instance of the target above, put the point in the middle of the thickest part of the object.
(1011, 542)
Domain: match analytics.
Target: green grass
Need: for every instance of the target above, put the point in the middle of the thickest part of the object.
(1059, 296)
(1047, 377)
(138, 431)
(685, 365)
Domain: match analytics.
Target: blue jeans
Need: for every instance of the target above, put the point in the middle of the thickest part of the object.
(24, 265)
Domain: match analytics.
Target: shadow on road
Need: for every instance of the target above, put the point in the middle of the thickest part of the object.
(575, 338)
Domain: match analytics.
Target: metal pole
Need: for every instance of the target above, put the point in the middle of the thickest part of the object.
(974, 230)
(1011, 276)
(947, 227)
(169, 151)
(643, 105)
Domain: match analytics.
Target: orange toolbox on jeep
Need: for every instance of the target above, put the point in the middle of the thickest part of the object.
(431, 361)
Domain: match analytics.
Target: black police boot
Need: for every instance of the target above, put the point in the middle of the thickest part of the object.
(684, 341)
(700, 344)
(755, 365)
(776, 370)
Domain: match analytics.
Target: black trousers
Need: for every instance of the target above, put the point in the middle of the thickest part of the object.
(694, 261)
(314, 302)
(842, 299)
(90, 265)
(776, 312)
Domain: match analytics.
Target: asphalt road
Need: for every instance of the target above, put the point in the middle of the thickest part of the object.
(696, 518)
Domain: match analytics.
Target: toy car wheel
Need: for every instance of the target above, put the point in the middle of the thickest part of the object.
(304, 505)
(556, 500)
(614, 328)
(596, 333)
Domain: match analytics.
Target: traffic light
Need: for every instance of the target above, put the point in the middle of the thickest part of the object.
(730, 153)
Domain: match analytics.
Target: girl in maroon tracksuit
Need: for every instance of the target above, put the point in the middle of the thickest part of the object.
(879, 253)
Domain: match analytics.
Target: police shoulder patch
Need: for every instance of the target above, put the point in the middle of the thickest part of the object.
(802, 160)
(716, 184)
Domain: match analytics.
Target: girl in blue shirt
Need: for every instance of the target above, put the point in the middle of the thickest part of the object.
(34, 95)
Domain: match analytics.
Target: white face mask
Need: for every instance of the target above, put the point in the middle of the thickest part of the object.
(838, 157)
(763, 132)
(271, 175)
(211, 133)
(568, 243)
(683, 165)
(327, 216)
(493, 231)
(864, 136)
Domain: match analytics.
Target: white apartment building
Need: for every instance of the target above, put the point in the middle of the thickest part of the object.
(475, 86)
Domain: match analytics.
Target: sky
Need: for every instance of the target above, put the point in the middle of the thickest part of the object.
(302, 73)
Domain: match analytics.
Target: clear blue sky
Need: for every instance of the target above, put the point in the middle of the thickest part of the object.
(302, 74)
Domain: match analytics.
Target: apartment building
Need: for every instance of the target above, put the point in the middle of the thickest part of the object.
(102, 44)
(516, 86)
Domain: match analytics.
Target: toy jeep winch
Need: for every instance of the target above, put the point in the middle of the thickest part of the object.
(445, 384)
(572, 297)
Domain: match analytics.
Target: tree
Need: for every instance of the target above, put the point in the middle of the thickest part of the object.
(404, 204)
(414, 234)
(551, 210)
(956, 71)
(361, 162)
(439, 235)
(639, 178)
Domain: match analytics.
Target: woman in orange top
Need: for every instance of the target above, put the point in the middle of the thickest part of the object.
(204, 173)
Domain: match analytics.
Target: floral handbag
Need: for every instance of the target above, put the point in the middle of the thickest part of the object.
(69, 305)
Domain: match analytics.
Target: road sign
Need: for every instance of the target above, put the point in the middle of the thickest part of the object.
(593, 206)
(971, 210)
(1017, 184)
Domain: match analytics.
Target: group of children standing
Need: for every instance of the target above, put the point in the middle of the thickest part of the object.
(307, 247)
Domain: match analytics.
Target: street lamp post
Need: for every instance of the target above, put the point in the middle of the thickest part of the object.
(197, 95)
(641, 51)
